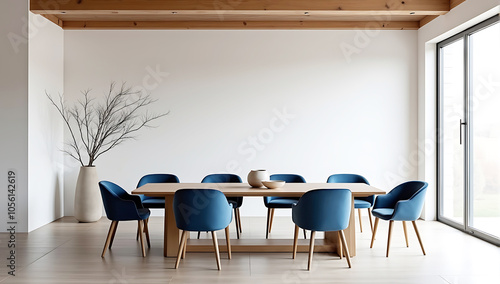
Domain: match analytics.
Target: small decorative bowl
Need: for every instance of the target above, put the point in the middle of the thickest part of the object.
(272, 184)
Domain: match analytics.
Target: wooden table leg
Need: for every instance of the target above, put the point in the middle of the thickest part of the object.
(171, 235)
(350, 235)
(350, 232)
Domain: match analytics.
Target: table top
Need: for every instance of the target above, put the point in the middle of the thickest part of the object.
(243, 189)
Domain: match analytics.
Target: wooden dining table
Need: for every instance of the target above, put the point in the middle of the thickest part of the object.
(329, 244)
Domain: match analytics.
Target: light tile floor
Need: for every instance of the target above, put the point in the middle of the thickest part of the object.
(68, 252)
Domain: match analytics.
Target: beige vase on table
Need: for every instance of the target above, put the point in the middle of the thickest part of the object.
(255, 177)
(88, 202)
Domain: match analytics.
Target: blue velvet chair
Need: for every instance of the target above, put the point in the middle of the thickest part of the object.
(273, 202)
(359, 202)
(236, 202)
(154, 202)
(202, 210)
(403, 203)
(322, 210)
(121, 206)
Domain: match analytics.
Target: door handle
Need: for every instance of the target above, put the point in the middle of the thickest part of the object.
(460, 126)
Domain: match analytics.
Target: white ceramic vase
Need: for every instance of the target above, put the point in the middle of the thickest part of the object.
(88, 202)
(255, 177)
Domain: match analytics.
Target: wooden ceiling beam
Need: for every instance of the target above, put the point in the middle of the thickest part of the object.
(241, 14)
(427, 7)
(455, 3)
(268, 25)
(276, 13)
(427, 20)
(54, 19)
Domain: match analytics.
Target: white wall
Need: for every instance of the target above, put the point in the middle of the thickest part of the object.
(14, 107)
(355, 113)
(460, 18)
(45, 126)
(31, 50)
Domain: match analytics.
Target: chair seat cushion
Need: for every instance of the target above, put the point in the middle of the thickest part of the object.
(143, 213)
(282, 203)
(154, 202)
(361, 204)
(383, 213)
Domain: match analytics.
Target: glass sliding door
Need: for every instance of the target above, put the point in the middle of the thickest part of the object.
(484, 48)
(469, 130)
(452, 120)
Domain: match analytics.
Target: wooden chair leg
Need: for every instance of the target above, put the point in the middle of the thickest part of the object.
(305, 235)
(236, 223)
(185, 246)
(237, 216)
(295, 239)
(311, 250)
(370, 218)
(340, 245)
(239, 221)
(112, 228)
(344, 243)
(406, 234)
(228, 243)
(360, 223)
(146, 232)
(216, 248)
(199, 232)
(271, 220)
(268, 220)
(137, 235)
(141, 238)
(180, 250)
(374, 231)
(113, 235)
(146, 221)
(391, 222)
(418, 236)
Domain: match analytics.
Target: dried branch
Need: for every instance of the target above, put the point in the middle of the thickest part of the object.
(96, 128)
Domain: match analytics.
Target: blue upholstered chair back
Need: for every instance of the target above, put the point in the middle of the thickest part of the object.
(290, 178)
(351, 178)
(201, 210)
(347, 178)
(225, 178)
(407, 200)
(118, 204)
(323, 210)
(221, 178)
(156, 178)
